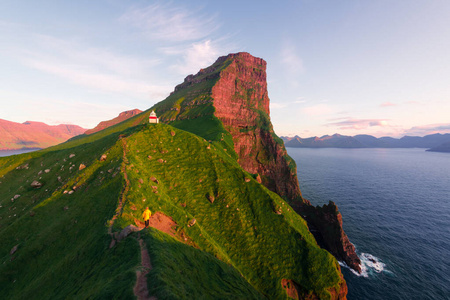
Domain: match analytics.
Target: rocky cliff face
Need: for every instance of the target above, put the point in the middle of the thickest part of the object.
(325, 224)
(242, 104)
(234, 90)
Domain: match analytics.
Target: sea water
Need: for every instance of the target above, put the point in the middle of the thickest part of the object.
(15, 152)
(395, 205)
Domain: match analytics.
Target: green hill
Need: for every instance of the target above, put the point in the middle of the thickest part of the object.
(217, 232)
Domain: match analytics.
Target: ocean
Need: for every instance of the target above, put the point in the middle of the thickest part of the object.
(395, 205)
(14, 152)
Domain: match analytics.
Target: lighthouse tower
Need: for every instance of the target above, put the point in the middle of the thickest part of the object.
(153, 118)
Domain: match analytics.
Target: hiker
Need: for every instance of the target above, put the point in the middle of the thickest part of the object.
(146, 216)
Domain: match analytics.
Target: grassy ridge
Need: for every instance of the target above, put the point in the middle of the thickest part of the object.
(65, 245)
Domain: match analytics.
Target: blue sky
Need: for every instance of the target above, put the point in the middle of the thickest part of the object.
(350, 67)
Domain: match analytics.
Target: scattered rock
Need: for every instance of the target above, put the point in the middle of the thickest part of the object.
(183, 204)
(47, 170)
(66, 208)
(154, 180)
(40, 173)
(71, 155)
(65, 192)
(209, 147)
(141, 180)
(25, 166)
(258, 178)
(70, 192)
(59, 179)
(110, 170)
(36, 184)
(32, 213)
(112, 244)
(149, 157)
(247, 179)
(133, 207)
(14, 249)
(210, 197)
(160, 160)
(81, 167)
(103, 157)
(16, 196)
(126, 232)
(154, 187)
(192, 222)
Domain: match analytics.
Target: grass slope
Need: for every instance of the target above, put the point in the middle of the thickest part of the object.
(241, 246)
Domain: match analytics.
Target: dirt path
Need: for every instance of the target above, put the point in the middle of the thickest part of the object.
(124, 192)
(140, 289)
(161, 222)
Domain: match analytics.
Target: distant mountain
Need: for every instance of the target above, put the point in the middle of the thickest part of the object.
(120, 118)
(366, 141)
(34, 134)
(445, 147)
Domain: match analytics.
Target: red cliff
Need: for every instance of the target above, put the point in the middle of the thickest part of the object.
(234, 90)
(242, 104)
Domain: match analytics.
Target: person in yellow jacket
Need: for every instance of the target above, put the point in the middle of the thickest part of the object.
(146, 216)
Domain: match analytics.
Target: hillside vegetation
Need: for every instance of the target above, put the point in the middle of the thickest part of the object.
(71, 227)
(238, 245)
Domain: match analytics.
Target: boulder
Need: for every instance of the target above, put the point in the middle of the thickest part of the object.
(36, 184)
(103, 157)
(81, 167)
(14, 249)
(192, 222)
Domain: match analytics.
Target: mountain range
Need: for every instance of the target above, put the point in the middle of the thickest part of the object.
(433, 141)
(228, 218)
(34, 134)
(38, 135)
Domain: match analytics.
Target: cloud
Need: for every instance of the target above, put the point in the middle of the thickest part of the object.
(428, 129)
(94, 67)
(166, 22)
(290, 59)
(350, 123)
(317, 110)
(277, 105)
(194, 56)
(387, 104)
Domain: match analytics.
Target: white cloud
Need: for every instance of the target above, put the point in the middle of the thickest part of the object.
(166, 22)
(428, 129)
(318, 110)
(290, 59)
(94, 68)
(357, 124)
(197, 56)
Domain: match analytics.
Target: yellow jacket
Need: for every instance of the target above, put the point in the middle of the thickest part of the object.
(146, 215)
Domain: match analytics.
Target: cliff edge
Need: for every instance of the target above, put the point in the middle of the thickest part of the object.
(234, 91)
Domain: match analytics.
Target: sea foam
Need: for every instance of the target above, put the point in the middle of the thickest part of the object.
(369, 264)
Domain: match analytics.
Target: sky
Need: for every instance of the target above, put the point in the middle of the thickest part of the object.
(349, 67)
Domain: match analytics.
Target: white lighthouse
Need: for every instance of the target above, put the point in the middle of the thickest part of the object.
(153, 118)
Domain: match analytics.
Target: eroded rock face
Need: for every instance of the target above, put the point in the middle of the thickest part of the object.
(241, 102)
(326, 225)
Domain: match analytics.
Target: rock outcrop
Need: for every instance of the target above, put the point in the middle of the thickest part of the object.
(326, 225)
(234, 90)
(241, 102)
